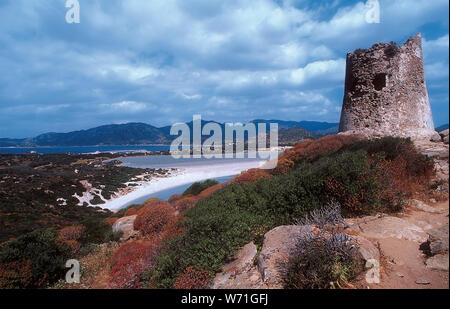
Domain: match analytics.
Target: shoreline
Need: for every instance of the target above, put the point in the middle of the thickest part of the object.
(182, 176)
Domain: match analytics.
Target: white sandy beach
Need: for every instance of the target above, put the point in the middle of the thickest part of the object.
(186, 175)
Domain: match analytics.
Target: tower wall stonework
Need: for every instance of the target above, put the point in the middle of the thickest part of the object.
(386, 93)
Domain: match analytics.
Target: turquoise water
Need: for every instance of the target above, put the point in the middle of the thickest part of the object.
(165, 194)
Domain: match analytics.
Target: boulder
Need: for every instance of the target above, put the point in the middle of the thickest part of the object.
(276, 250)
(241, 273)
(444, 135)
(435, 137)
(126, 225)
(366, 249)
(438, 240)
(438, 262)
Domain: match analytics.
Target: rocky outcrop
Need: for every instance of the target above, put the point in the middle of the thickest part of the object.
(250, 270)
(125, 225)
(379, 227)
(444, 136)
(436, 247)
(440, 153)
(242, 272)
(419, 205)
(386, 93)
(277, 247)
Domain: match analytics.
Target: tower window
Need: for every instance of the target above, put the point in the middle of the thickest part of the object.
(379, 81)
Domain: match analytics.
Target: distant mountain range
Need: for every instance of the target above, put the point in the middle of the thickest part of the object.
(145, 134)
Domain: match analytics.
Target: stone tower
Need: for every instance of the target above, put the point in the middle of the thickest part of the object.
(386, 93)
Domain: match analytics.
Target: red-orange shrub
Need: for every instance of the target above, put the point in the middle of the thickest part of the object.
(73, 245)
(151, 201)
(351, 202)
(186, 202)
(310, 149)
(172, 228)
(130, 212)
(251, 175)
(174, 198)
(152, 219)
(74, 232)
(192, 279)
(399, 182)
(111, 220)
(208, 191)
(70, 236)
(130, 262)
(284, 166)
(17, 274)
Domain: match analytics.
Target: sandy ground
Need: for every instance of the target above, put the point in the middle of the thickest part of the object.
(403, 263)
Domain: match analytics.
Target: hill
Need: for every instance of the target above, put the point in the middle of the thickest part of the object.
(121, 134)
(294, 135)
(145, 134)
(321, 128)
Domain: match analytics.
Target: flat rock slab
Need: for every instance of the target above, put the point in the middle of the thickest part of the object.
(423, 281)
(387, 227)
(419, 205)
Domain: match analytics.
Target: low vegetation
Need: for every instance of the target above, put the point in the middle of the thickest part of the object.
(130, 262)
(323, 171)
(186, 240)
(32, 260)
(323, 257)
(320, 262)
(153, 218)
(37, 191)
(37, 259)
(192, 279)
(198, 187)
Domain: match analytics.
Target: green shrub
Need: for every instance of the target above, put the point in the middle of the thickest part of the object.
(97, 231)
(46, 257)
(198, 187)
(89, 249)
(113, 235)
(222, 223)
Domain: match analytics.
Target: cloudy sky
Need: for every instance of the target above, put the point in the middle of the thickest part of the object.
(161, 61)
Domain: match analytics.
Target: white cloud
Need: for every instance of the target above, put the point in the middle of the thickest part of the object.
(326, 70)
(126, 107)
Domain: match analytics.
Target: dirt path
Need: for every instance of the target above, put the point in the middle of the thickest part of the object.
(403, 264)
(402, 238)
